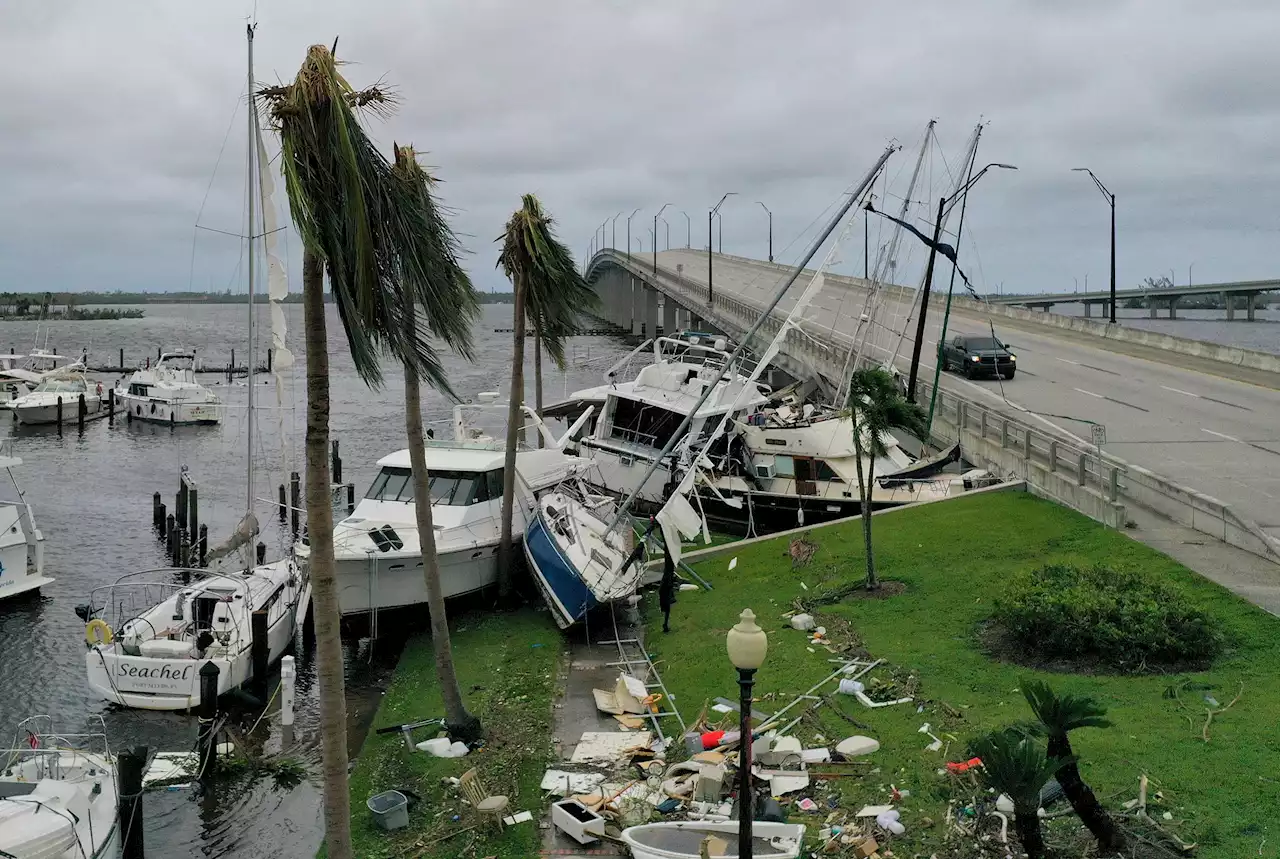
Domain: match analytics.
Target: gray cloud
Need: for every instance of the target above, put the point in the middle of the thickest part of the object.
(111, 131)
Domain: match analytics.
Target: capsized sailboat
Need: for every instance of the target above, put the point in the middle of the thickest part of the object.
(578, 545)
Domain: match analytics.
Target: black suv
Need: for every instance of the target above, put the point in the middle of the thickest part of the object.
(979, 356)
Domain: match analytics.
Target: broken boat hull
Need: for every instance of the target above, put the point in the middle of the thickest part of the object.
(563, 590)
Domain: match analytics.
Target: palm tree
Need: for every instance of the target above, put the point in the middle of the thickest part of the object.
(1015, 765)
(1059, 715)
(369, 232)
(878, 406)
(550, 291)
(450, 317)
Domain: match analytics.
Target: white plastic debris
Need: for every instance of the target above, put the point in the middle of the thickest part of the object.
(888, 821)
(438, 747)
(733, 563)
(854, 746)
(802, 622)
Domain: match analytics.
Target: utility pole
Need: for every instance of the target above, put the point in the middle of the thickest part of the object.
(711, 216)
(655, 238)
(1111, 200)
(688, 229)
(924, 302)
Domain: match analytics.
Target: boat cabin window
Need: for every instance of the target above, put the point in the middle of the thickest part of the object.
(61, 386)
(452, 488)
(640, 423)
(784, 466)
(825, 472)
(139, 390)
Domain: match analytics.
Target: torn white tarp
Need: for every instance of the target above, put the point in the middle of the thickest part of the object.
(678, 519)
(562, 783)
(608, 746)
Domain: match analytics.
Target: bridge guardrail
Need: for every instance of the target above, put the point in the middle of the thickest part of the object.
(1097, 483)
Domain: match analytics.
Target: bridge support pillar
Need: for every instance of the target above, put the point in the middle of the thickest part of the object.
(695, 321)
(1154, 307)
(637, 309)
(1230, 301)
(1251, 304)
(650, 311)
(1088, 310)
(669, 310)
(1173, 308)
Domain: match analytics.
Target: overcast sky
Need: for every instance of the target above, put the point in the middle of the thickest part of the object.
(116, 113)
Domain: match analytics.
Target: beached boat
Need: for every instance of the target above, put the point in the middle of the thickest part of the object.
(683, 839)
(58, 799)
(168, 393)
(21, 542)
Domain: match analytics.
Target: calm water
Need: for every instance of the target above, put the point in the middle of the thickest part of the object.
(92, 498)
(1211, 325)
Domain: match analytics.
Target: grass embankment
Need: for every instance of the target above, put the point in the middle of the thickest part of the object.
(507, 669)
(953, 558)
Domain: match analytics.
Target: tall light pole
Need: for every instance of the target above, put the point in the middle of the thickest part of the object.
(1190, 265)
(766, 208)
(657, 215)
(688, 228)
(710, 216)
(667, 223)
(640, 242)
(629, 217)
(747, 645)
(613, 241)
(1111, 199)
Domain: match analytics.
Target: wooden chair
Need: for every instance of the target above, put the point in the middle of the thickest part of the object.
(475, 793)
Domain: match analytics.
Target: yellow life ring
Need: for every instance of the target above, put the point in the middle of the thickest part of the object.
(97, 631)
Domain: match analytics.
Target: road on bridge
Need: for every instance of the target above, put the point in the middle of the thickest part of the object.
(1213, 434)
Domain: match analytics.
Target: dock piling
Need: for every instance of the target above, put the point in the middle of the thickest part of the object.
(81, 410)
(335, 463)
(59, 414)
(269, 358)
(157, 512)
(204, 545)
(351, 498)
(171, 536)
(284, 505)
(261, 555)
(295, 501)
(121, 359)
(208, 736)
(130, 764)
(111, 405)
(193, 513)
(184, 550)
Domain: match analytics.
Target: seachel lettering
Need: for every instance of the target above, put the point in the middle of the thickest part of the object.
(163, 672)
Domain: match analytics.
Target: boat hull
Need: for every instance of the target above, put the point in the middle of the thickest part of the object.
(33, 415)
(566, 595)
(388, 583)
(168, 412)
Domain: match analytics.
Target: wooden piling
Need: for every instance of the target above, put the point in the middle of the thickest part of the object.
(193, 514)
(157, 512)
(351, 498)
(171, 537)
(295, 501)
(130, 765)
(181, 508)
(207, 738)
(284, 505)
(269, 358)
(261, 550)
(111, 405)
(335, 464)
(184, 550)
(59, 415)
(121, 364)
(81, 411)
(204, 545)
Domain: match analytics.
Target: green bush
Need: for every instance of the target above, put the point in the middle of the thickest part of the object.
(1115, 618)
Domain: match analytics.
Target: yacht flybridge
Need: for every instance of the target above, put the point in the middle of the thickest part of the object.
(168, 393)
(378, 557)
(21, 542)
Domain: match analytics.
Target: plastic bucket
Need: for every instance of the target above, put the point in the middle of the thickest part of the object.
(390, 809)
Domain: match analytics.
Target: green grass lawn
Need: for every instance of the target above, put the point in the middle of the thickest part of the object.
(507, 666)
(953, 558)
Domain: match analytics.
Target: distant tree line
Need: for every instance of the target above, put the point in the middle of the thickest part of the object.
(21, 304)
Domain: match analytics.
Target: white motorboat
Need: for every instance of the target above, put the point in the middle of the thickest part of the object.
(57, 799)
(148, 636)
(168, 393)
(378, 558)
(683, 839)
(60, 392)
(21, 542)
(20, 373)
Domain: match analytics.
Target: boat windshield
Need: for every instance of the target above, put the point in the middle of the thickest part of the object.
(450, 488)
(61, 386)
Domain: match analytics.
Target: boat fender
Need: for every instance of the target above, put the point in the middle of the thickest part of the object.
(97, 631)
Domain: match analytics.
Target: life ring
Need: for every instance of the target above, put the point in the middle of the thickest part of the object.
(97, 631)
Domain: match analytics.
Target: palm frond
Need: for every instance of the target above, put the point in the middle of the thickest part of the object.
(555, 292)
(878, 406)
(1061, 714)
(1016, 765)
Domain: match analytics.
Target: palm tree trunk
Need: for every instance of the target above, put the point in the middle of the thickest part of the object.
(513, 439)
(1082, 799)
(537, 379)
(1027, 826)
(462, 725)
(324, 591)
(864, 492)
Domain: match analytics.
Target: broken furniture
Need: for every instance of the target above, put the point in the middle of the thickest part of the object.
(577, 821)
(475, 793)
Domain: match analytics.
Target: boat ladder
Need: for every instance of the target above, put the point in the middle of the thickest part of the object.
(634, 659)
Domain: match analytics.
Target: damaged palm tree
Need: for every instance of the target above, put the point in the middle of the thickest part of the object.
(551, 293)
(1059, 715)
(367, 230)
(878, 406)
(1016, 765)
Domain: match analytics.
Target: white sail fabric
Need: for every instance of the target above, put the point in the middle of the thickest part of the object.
(277, 278)
(242, 536)
(678, 519)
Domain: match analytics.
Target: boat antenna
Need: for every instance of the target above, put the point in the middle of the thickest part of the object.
(853, 196)
(253, 131)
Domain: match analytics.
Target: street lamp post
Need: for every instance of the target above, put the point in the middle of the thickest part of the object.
(688, 228)
(629, 217)
(711, 216)
(766, 208)
(1111, 199)
(1190, 265)
(667, 224)
(747, 645)
(655, 237)
(613, 241)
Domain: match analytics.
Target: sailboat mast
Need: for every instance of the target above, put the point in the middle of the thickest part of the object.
(253, 130)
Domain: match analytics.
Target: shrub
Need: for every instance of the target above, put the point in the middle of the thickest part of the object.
(1119, 618)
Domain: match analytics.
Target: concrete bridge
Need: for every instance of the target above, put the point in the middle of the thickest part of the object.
(1167, 297)
(1190, 426)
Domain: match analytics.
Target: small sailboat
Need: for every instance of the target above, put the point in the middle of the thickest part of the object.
(59, 392)
(168, 393)
(577, 547)
(21, 542)
(150, 632)
(58, 799)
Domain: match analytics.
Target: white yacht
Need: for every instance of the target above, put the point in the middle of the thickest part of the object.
(378, 558)
(148, 636)
(168, 393)
(21, 542)
(20, 373)
(58, 800)
(66, 384)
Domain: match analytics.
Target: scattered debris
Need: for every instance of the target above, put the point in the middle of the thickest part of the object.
(802, 622)
(801, 551)
(856, 746)
(577, 821)
(518, 817)
(562, 783)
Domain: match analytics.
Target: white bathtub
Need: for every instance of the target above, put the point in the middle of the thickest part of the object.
(680, 840)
